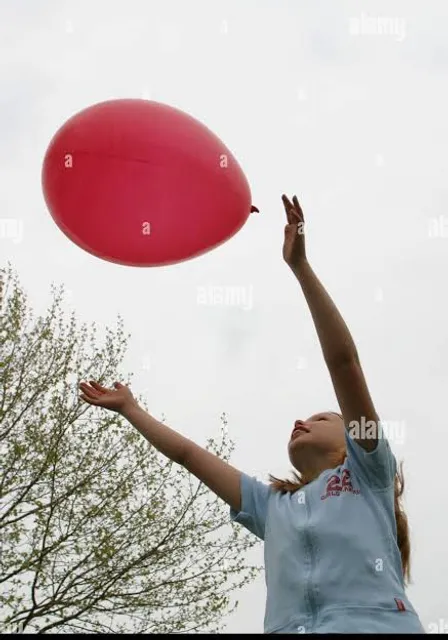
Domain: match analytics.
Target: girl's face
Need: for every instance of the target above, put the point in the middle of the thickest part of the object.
(323, 433)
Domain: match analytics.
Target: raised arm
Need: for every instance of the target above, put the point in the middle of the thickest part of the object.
(338, 347)
(218, 475)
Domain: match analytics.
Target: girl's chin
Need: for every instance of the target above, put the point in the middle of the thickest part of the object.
(299, 436)
(297, 442)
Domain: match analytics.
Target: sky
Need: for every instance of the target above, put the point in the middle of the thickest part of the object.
(343, 103)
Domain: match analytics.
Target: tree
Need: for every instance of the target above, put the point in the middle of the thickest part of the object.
(98, 531)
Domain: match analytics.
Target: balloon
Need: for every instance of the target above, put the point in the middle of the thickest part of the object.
(141, 183)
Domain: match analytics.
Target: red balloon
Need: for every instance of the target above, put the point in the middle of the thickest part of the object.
(141, 183)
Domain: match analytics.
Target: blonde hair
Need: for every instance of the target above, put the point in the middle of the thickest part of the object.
(403, 541)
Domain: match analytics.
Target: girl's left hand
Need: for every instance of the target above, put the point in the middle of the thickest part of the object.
(294, 252)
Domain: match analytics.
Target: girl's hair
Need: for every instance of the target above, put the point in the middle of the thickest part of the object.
(403, 542)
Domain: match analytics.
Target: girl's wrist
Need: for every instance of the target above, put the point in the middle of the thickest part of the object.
(300, 267)
(130, 409)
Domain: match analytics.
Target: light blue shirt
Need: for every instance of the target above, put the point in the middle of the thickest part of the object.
(332, 564)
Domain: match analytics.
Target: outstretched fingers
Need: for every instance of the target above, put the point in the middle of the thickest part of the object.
(292, 214)
(288, 208)
(88, 391)
(298, 208)
(98, 387)
(87, 398)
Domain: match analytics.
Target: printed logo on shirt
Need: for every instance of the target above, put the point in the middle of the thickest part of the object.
(400, 604)
(337, 485)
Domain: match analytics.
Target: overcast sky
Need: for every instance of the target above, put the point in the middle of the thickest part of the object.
(343, 103)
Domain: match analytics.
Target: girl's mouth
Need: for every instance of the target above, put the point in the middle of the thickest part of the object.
(299, 429)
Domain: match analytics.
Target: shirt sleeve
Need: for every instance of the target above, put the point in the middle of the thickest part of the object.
(378, 467)
(254, 505)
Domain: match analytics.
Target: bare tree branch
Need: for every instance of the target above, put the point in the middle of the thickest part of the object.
(98, 532)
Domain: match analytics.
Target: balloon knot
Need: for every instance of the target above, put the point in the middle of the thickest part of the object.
(253, 209)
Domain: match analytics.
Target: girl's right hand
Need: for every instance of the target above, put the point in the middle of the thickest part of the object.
(294, 252)
(117, 399)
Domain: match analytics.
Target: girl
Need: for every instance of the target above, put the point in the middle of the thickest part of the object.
(336, 539)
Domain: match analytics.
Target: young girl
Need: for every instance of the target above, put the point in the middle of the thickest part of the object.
(336, 539)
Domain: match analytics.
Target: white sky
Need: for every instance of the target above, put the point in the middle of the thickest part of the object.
(355, 124)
